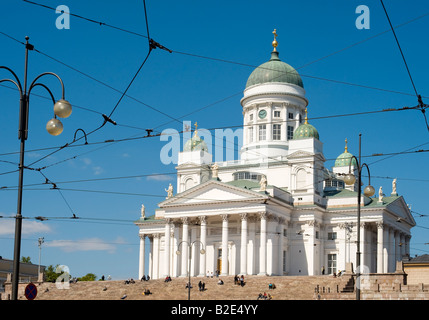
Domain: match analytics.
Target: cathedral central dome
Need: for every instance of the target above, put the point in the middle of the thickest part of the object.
(274, 70)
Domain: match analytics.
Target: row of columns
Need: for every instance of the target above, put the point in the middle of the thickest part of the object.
(185, 245)
(391, 246)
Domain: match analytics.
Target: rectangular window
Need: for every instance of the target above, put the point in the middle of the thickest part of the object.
(262, 132)
(290, 115)
(332, 263)
(251, 117)
(277, 131)
(332, 235)
(276, 114)
(289, 132)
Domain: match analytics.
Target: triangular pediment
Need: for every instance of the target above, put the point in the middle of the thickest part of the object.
(399, 208)
(211, 192)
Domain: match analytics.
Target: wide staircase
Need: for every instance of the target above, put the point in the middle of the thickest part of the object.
(285, 288)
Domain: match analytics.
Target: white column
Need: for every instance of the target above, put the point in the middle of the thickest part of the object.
(269, 121)
(176, 260)
(363, 256)
(184, 247)
(280, 228)
(270, 254)
(194, 247)
(285, 122)
(243, 248)
(263, 245)
(391, 250)
(203, 239)
(402, 245)
(225, 268)
(251, 246)
(380, 245)
(407, 245)
(386, 249)
(150, 272)
(344, 245)
(155, 269)
(397, 248)
(167, 239)
(142, 256)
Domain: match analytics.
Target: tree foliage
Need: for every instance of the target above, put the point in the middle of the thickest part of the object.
(26, 259)
(88, 277)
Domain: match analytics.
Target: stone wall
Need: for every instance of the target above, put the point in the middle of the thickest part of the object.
(417, 273)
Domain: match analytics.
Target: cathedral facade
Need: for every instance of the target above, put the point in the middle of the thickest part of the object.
(277, 210)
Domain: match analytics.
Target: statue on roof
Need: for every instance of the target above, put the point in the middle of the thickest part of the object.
(394, 193)
(263, 183)
(215, 170)
(169, 191)
(142, 210)
(380, 194)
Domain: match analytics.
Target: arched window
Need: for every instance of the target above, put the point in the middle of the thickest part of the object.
(189, 183)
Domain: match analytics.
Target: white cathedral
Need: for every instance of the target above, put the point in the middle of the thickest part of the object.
(277, 210)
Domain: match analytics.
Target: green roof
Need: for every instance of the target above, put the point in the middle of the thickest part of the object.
(342, 193)
(274, 71)
(246, 184)
(386, 201)
(304, 131)
(345, 193)
(146, 219)
(343, 160)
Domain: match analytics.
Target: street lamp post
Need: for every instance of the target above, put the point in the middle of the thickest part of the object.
(62, 109)
(369, 191)
(202, 251)
(41, 241)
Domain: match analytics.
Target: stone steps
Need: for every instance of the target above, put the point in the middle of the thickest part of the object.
(286, 288)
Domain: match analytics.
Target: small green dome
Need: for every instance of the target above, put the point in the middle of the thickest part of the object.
(343, 160)
(274, 71)
(304, 131)
(195, 144)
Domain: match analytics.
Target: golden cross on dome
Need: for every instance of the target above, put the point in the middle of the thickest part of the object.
(275, 43)
(345, 149)
(196, 128)
(306, 118)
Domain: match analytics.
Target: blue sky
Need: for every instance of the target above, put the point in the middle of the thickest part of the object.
(92, 59)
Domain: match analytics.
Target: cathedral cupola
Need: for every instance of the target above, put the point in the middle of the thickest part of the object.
(273, 104)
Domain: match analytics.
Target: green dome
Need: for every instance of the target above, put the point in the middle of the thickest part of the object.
(195, 144)
(343, 159)
(304, 131)
(274, 71)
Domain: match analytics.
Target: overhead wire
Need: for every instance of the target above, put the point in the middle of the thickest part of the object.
(148, 38)
(200, 108)
(421, 105)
